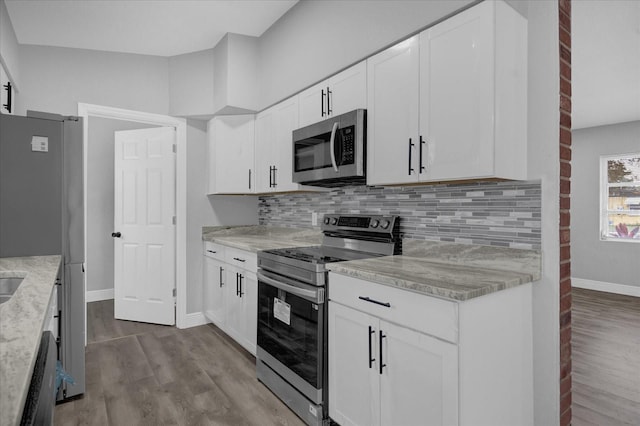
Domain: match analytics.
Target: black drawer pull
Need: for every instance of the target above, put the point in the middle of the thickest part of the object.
(211, 251)
(239, 260)
(366, 299)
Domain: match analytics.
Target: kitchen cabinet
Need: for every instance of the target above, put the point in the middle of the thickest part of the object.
(450, 104)
(231, 155)
(230, 292)
(273, 147)
(399, 357)
(336, 95)
(213, 301)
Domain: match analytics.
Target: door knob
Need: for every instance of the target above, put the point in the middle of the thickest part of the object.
(116, 234)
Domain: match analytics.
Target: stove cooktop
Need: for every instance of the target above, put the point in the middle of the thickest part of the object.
(319, 255)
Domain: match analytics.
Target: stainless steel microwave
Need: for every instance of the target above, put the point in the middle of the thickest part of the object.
(331, 153)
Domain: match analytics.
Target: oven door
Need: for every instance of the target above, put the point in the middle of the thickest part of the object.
(291, 332)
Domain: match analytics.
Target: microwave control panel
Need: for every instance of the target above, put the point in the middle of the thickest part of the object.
(348, 145)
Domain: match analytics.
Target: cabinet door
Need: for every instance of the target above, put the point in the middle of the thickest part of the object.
(285, 122)
(419, 380)
(312, 104)
(233, 137)
(214, 291)
(348, 90)
(265, 136)
(392, 116)
(242, 304)
(353, 367)
(457, 96)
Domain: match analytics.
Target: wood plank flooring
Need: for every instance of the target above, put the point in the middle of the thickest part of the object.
(147, 374)
(605, 359)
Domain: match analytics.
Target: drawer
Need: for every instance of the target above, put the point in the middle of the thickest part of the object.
(419, 312)
(214, 250)
(242, 259)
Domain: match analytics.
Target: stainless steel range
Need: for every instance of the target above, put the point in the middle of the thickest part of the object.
(292, 314)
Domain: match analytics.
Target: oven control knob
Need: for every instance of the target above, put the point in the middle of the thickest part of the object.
(326, 220)
(334, 220)
(384, 224)
(374, 223)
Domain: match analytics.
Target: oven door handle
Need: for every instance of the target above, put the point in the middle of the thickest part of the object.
(311, 295)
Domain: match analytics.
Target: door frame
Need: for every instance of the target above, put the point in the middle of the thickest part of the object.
(99, 111)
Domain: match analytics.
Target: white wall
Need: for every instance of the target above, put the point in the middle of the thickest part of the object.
(544, 164)
(191, 84)
(592, 259)
(9, 48)
(315, 39)
(100, 201)
(55, 79)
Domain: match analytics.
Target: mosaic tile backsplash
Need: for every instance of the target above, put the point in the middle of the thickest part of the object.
(503, 214)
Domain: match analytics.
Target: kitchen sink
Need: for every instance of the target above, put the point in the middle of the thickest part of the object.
(8, 286)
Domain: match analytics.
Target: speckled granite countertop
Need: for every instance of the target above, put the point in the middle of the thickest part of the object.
(22, 319)
(254, 238)
(448, 270)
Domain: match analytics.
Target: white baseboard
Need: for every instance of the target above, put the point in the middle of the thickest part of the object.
(98, 295)
(193, 320)
(625, 289)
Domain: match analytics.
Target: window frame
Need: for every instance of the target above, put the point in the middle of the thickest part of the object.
(604, 197)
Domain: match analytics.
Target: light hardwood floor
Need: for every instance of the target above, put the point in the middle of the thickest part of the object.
(605, 359)
(146, 374)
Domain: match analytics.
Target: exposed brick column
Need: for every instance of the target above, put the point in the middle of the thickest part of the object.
(564, 11)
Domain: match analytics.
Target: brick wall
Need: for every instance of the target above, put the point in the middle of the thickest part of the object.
(564, 11)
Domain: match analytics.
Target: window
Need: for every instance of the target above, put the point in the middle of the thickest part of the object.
(620, 197)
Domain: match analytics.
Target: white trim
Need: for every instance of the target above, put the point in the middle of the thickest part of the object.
(98, 295)
(625, 289)
(89, 110)
(195, 319)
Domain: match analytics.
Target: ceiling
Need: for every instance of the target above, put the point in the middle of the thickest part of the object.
(148, 27)
(605, 38)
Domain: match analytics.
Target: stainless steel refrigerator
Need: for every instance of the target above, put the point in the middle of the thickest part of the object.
(42, 213)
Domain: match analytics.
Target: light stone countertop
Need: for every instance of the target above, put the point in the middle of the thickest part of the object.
(254, 238)
(22, 319)
(448, 270)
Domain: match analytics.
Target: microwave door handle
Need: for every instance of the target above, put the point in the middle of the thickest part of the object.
(332, 145)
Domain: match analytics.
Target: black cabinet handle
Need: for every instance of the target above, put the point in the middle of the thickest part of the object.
(116, 234)
(239, 260)
(271, 176)
(240, 292)
(371, 331)
(249, 178)
(329, 110)
(237, 283)
(275, 173)
(221, 271)
(411, 145)
(367, 299)
(422, 143)
(322, 103)
(382, 364)
(211, 251)
(7, 106)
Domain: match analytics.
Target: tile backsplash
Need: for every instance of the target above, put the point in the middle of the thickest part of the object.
(486, 213)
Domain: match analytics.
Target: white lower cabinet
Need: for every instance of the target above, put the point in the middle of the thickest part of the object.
(402, 358)
(392, 375)
(230, 292)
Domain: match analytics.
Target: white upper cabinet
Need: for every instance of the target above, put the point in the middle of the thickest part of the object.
(231, 166)
(338, 94)
(392, 116)
(274, 127)
(472, 95)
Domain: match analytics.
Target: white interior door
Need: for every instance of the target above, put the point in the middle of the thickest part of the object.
(144, 240)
